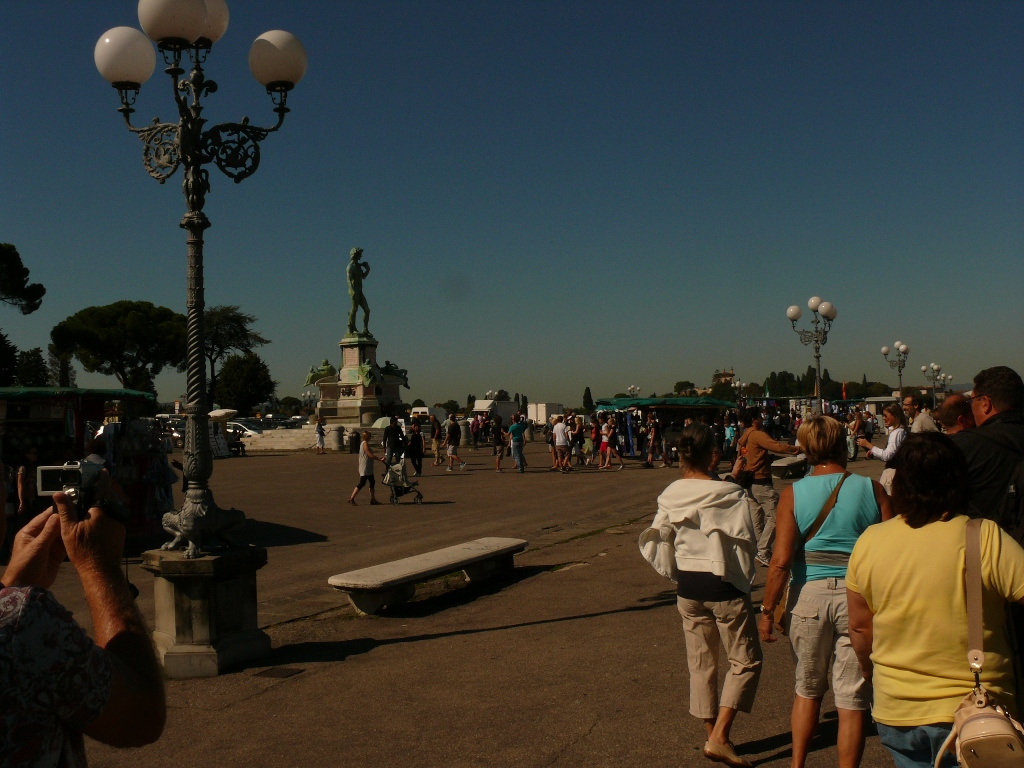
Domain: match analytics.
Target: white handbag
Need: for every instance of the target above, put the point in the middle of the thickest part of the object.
(985, 734)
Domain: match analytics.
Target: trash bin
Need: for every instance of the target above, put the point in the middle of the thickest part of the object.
(353, 441)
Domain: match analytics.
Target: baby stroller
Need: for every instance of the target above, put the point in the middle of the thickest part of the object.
(397, 480)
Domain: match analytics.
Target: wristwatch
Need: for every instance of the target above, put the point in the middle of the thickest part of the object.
(766, 611)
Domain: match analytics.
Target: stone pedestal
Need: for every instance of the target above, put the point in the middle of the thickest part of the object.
(206, 610)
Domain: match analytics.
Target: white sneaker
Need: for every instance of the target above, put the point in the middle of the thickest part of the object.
(462, 465)
(450, 469)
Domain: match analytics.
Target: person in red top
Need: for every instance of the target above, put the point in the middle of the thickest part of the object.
(755, 445)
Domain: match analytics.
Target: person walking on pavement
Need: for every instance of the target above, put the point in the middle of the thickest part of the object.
(366, 459)
(321, 434)
(437, 440)
(414, 449)
(755, 445)
(451, 441)
(516, 432)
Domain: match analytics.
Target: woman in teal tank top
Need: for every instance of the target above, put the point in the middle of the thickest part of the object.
(816, 604)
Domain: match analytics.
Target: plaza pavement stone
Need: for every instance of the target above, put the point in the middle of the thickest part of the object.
(577, 659)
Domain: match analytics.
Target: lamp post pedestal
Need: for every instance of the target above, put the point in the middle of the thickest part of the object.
(206, 610)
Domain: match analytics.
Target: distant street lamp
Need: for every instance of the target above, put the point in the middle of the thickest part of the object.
(633, 390)
(490, 394)
(824, 313)
(740, 399)
(899, 362)
(933, 373)
(125, 57)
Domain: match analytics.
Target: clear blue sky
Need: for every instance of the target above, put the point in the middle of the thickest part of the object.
(554, 195)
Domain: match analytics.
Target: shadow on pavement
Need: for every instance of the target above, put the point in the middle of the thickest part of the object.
(263, 534)
(826, 737)
(339, 650)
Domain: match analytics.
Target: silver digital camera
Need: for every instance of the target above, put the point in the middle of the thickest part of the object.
(77, 479)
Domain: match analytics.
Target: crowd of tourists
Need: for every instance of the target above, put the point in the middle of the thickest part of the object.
(869, 583)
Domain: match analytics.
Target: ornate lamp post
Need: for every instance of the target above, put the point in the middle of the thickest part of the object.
(824, 313)
(899, 362)
(633, 390)
(933, 374)
(741, 400)
(125, 57)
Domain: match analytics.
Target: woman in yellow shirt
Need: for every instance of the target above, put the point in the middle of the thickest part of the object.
(908, 613)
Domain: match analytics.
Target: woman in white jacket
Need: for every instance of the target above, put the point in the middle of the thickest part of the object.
(714, 548)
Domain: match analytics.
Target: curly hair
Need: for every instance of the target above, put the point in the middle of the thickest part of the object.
(931, 479)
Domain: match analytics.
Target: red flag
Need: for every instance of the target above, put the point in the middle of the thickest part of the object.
(844, 390)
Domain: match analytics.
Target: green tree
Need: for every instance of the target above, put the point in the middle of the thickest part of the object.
(470, 401)
(8, 361)
(418, 403)
(130, 340)
(15, 289)
(588, 401)
(623, 394)
(290, 405)
(503, 395)
(225, 330)
(723, 390)
(32, 370)
(450, 406)
(62, 372)
(683, 387)
(244, 382)
(522, 403)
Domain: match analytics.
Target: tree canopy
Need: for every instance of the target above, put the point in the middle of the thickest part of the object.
(130, 340)
(8, 361)
(32, 368)
(588, 400)
(226, 329)
(244, 383)
(15, 289)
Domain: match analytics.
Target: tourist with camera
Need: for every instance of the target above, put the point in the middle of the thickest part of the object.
(61, 683)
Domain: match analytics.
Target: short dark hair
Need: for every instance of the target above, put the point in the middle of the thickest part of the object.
(952, 409)
(750, 414)
(1003, 386)
(696, 445)
(931, 479)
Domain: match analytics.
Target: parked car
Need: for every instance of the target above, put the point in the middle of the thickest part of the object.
(244, 428)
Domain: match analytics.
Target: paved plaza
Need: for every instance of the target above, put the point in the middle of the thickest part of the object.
(576, 660)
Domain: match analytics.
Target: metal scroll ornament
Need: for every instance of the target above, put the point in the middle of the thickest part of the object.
(160, 154)
(235, 148)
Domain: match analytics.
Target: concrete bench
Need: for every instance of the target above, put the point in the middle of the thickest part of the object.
(790, 466)
(370, 589)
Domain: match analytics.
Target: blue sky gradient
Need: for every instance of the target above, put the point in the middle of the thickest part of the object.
(553, 195)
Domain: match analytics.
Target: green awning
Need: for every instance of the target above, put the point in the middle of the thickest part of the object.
(44, 393)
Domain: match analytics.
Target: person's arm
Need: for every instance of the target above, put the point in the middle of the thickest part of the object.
(22, 489)
(136, 710)
(891, 446)
(786, 536)
(882, 500)
(861, 630)
(774, 446)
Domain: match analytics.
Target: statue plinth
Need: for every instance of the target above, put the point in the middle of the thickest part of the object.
(206, 610)
(354, 395)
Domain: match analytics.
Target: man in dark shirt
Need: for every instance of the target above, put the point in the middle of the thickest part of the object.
(995, 448)
(451, 441)
(394, 442)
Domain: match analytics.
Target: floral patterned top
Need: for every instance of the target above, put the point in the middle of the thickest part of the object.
(53, 681)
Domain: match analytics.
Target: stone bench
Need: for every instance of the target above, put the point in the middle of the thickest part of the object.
(370, 589)
(790, 466)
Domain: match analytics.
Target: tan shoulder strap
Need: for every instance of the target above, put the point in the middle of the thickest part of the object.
(825, 510)
(972, 596)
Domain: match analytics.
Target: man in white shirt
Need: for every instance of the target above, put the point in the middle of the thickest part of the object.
(561, 435)
(919, 420)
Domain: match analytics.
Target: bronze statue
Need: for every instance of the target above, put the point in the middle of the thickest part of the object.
(357, 270)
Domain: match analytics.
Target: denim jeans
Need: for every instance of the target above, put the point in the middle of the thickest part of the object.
(517, 455)
(916, 746)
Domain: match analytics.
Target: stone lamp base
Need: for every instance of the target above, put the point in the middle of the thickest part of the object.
(206, 610)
